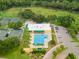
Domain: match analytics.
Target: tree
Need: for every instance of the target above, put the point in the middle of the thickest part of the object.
(27, 14)
(66, 21)
(15, 25)
(19, 24)
(52, 18)
(71, 56)
(8, 44)
(39, 18)
(6, 4)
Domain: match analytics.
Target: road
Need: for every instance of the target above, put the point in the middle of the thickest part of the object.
(64, 37)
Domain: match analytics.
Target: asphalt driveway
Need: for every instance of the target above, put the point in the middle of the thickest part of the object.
(64, 37)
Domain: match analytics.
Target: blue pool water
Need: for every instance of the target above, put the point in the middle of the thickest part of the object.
(39, 39)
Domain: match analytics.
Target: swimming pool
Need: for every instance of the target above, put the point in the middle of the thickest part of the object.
(39, 39)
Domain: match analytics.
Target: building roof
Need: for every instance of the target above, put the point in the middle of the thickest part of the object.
(11, 32)
(39, 27)
(5, 21)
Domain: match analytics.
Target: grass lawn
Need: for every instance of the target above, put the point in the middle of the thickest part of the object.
(10, 13)
(16, 55)
(13, 12)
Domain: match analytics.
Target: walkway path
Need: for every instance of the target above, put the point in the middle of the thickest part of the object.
(49, 53)
(64, 37)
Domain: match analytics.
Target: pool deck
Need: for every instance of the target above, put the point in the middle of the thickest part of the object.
(49, 38)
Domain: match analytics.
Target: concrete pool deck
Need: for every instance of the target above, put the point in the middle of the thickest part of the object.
(49, 38)
(47, 31)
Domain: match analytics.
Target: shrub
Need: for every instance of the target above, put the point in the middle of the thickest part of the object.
(62, 47)
(43, 51)
(39, 18)
(58, 50)
(52, 18)
(27, 14)
(8, 44)
(54, 53)
(15, 25)
(65, 21)
(71, 56)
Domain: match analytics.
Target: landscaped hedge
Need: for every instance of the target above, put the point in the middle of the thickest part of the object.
(39, 50)
(54, 40)
(38, 53)
(26, 38)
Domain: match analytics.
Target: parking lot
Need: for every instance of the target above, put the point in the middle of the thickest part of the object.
(64, 37)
